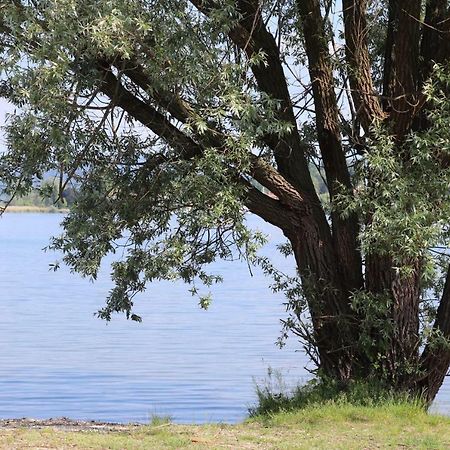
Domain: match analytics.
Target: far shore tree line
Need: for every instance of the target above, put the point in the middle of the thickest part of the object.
(177, 118)
(46, 195)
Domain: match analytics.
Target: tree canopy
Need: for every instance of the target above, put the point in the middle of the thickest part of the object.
(175, 119)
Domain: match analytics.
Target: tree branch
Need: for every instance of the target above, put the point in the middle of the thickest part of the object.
(252, 37)
(435, 45)
(326, 109)
(269, 209)
(369, 109)
(402, 64)
(148, 116)
(169, 101)
(261, 171)
(345, 231)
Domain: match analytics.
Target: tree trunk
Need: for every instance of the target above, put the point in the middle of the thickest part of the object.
(435, 359)
(334, 321)
(402, 291)
(329, 308)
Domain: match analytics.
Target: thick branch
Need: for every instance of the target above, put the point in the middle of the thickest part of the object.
(187, 149)
(270, 210)
(369, 109)
(345, 231)
(402, 64)
(148, 116)
(261, 171)
(435, 45)
(326, 108)
(171, 102)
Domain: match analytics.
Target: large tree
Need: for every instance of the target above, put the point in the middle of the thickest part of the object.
(175, 118)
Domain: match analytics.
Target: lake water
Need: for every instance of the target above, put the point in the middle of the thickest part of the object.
(57, 359)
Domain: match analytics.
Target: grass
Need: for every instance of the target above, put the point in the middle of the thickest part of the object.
(332, 425)
(274, 396)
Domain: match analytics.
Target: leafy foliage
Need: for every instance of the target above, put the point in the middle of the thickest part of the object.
(173, 221)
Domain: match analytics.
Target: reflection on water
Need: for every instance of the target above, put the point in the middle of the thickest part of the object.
(57, 359)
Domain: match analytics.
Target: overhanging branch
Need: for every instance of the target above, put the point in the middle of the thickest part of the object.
(269, 209)
(148, 116)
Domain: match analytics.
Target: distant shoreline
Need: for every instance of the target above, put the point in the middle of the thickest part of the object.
(36, 209)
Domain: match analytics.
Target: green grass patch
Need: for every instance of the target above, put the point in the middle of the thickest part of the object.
(334, 425)
(273, 395)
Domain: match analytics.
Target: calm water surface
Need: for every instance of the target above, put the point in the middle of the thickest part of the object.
(56, 359)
